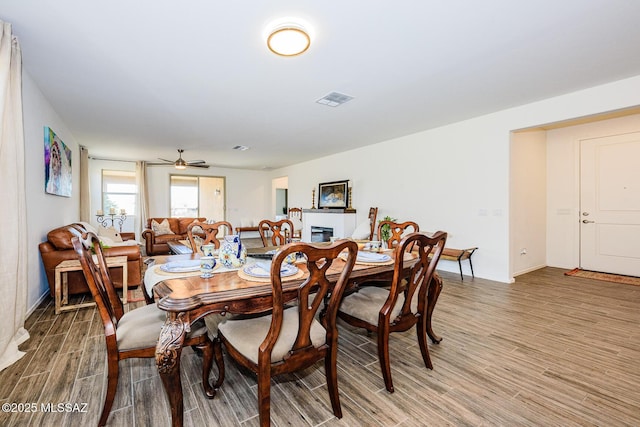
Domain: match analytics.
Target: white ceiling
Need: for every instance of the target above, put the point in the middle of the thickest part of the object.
(137, 79)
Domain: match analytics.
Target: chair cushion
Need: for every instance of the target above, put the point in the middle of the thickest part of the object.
(246, 335)
(140, 328)
(367, 302)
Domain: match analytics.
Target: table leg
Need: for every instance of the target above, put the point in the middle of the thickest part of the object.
(65, 287)
(57, 292)
(168, 352)
(435, 287)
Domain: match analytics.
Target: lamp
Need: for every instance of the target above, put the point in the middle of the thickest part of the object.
(288, 39)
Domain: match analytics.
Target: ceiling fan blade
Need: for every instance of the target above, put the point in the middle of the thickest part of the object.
(198, 166)
(165, 160)
(195, 162)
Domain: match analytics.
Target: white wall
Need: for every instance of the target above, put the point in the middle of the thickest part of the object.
(456, 177)
(44, 211)
(563, 184)
(528, 211)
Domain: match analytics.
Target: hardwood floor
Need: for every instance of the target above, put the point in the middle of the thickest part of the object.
(547, 350)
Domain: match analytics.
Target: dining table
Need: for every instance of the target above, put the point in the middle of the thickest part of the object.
(187, 297)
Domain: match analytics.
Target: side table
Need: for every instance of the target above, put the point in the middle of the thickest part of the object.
(62, 286)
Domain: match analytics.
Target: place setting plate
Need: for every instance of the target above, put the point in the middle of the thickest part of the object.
(182, 266)
(371, 258)
(261, 271)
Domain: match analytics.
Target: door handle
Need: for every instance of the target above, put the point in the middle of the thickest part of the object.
(585, 221)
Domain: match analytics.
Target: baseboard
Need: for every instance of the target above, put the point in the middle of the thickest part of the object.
(37, 304)
(529, 270)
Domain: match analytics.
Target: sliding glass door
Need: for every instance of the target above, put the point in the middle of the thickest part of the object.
(198, 196)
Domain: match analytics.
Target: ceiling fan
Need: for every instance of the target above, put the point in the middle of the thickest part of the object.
(180, 163)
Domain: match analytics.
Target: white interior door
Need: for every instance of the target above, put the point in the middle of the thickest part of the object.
(610, 204)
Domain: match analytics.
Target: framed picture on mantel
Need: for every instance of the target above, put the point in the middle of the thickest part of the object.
(333, 195)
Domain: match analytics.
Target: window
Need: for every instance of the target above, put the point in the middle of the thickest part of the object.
(197, 196)
(119, 191)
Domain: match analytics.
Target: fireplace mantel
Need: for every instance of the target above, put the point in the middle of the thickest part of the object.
(342, 223)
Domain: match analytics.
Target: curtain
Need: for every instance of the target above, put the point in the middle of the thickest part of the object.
(85, 192)
(143, 198)
(13, 227)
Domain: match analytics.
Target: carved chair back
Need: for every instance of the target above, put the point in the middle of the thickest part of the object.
(112, 314)
(373, 214)
(405, 303)
(295, 216)
(397, 231)
(313, 293)
(428, 250)
(109, 305)
(280, 232)
(210, 233)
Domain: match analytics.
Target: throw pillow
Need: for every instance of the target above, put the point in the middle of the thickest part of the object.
(161, 228)
(111, 233)
(362, 231)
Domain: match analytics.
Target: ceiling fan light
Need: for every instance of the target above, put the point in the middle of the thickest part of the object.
(288, 39)
(180, 164)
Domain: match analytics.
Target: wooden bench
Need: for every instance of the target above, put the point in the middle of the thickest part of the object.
(458, 255)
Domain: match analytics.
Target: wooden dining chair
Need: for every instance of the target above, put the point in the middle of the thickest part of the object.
(397, 231)
(404, 304)
(295, 216)
(291, 339)
(210, 232)
(373, 214)
(275, 233)
(133, 334)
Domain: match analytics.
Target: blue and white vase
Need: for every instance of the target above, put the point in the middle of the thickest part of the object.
(232, 252)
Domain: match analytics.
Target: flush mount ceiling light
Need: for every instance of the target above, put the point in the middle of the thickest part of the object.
(288, 37)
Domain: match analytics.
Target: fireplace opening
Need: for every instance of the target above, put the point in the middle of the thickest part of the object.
(321, 234)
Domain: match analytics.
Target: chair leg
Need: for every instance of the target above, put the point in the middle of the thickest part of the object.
(435, 287)
(207, 363)
(331, 372)
(421, 330)
(264, 399)
(217, 351)
(383, 356)
(112, 386)
(148, 299)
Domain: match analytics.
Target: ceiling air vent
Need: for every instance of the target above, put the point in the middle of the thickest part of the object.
(334, 99)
